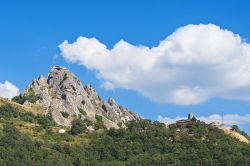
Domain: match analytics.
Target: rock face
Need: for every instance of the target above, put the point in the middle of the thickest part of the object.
(61, 93)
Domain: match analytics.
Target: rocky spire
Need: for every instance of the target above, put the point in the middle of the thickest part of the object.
(62, 92)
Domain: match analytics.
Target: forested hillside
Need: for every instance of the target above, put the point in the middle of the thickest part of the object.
(28, 138)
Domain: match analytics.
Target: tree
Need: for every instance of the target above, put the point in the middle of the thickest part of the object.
(78, 127)
(65, 114)
(236, 128)
(45, 120)
(99, 123)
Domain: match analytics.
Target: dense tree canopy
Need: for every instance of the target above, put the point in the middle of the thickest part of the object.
(142, 142)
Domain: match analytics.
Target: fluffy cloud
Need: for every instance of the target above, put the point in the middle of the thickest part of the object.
(228, 119)
(8, 90)
(190, 66)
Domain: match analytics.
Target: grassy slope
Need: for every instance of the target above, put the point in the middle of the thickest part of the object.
(35, 130)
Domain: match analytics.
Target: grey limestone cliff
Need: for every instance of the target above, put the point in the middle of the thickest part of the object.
(62, 92)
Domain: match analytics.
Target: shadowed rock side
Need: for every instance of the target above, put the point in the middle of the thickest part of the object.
(62, 92)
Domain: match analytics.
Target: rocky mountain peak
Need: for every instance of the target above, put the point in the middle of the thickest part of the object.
(62, 95)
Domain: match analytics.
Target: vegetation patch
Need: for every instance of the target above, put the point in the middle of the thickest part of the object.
(99, 123)
(22, 98)
(8, 111)
(78, 127)
(143, 142)
(28, 139)
(88, 122)
(98, 118)
(64, 114)
(81, 110)
(45, 121)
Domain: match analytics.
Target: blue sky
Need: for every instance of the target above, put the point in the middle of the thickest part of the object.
(31, 32)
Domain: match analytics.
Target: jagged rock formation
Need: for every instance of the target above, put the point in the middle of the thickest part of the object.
(62, 93)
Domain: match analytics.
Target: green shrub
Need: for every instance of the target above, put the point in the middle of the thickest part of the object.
(28, 117)
(88, 122)
(119, 124)
(82, 111)
(65, 114)
(98, 118)
(19, 99)
(78, 127)
(99, 123)
(45, 121)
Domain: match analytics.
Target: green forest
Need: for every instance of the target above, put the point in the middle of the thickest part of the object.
(31, 139)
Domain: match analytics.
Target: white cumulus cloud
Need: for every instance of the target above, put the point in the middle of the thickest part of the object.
(228, 119)
(8, 90)
(190, 66)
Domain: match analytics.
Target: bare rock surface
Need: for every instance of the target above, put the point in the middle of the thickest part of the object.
(61, 91)
(228, 130)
